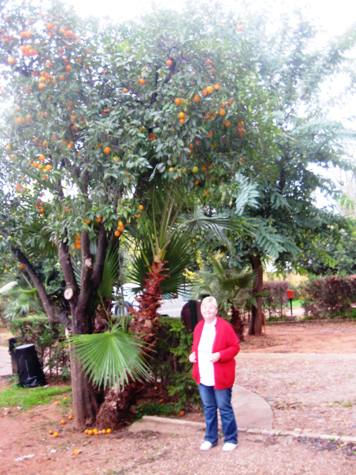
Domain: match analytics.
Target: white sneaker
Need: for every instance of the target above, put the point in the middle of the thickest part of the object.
(206, 445)
(228, 446)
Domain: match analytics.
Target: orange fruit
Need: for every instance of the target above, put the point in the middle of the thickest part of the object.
(169, 62)
(55, 434)
(227, 123)
(222, 112)
(141, 81)
(41, 157)
(68, 68)
(11, 60)
(195, 169)
(205, 92)
(108, 431)
(125, 90)
(181, 115)
(181, 121)
(62, 422)
(25, 34)
(99, 219)
(141, 207)
(210, 89)
(120, 225)
(217, 86)
(196, 98)
(179, 101)
(152, 136)
(107, 150)
(117, 233)
(76, 451)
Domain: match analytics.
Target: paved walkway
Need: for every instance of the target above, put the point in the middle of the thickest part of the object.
(251, 410)
(5, 362)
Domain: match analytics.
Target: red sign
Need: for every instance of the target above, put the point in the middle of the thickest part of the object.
(290, 294)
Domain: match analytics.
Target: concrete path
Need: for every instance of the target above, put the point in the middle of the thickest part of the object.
(5, 362)
(251, 410)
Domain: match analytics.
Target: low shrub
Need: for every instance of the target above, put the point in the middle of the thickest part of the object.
(170, 363)
(329, 296)
(49, 340)
(275, 297)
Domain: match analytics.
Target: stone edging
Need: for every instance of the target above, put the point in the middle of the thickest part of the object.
(297, 433)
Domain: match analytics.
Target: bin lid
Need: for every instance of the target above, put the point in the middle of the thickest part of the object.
(23, 347)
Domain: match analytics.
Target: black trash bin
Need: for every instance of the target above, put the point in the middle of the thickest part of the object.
(28, 367)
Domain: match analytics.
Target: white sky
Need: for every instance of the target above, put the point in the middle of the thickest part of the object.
(333, 15)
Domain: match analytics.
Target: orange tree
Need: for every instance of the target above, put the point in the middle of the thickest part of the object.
(96, 115)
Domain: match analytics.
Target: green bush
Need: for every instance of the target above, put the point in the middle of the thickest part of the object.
(49, 340)
(170, 363)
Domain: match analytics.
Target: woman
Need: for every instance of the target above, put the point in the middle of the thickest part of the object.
(215, 345)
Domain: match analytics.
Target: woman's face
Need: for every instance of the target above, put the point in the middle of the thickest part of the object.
(208, 311)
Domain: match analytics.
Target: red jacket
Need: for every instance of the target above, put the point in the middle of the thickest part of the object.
(228, 345)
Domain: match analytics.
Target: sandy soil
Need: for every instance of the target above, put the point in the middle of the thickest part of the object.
(313, 391)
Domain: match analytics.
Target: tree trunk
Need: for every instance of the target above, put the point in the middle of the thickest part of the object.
(255, 327)
(85, 405)
(84, 396)
(237, 322)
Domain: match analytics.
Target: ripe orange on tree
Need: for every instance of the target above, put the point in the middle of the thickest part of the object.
(107, 150)
(179, 101)
(196, 98)
(169, 62)
(142, 81)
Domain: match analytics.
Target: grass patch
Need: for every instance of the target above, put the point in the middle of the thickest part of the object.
(157, 409)
(29, 397)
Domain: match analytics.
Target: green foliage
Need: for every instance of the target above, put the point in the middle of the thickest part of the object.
(170, 364)
(230, 286)
(157, 409)
(111, 359)
(48, 339)
(14, 396)
(18, 301)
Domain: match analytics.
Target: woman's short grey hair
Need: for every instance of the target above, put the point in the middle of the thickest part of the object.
(209, 300)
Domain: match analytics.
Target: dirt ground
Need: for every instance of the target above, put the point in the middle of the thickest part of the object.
(307, 374)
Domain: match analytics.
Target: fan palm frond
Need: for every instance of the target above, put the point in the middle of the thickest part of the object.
(111, 359)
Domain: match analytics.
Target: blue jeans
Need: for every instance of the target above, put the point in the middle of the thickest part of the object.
(212, 400)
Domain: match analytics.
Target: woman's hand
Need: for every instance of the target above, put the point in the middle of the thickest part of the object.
(215, 357)
(193, 357)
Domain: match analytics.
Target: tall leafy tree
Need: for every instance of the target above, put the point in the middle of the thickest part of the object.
(96, 116)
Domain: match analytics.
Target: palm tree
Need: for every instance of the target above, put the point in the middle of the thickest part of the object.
(231, 287)
(163, 250)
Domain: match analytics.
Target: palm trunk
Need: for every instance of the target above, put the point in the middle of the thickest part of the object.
(255, 327)
(145, 324)
(237, 322)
